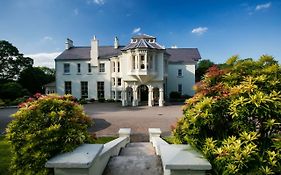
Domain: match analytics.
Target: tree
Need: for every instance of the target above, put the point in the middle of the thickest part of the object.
(201, 69)
(11, 61)
(234, 117)
(33, 78)
(12, 90)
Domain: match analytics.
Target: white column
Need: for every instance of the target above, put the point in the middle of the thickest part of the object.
(150, 96)
(123, 92)
(115, 85)
(126, 98)
(135, 96)
(161, 97)
(145, 62)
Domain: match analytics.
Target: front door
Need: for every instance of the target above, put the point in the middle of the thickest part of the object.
(143, 90)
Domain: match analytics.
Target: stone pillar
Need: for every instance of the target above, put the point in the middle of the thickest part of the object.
(126, 97)
(150, 96)
(115, 79)
(161, 97)
(135, 96)
(123, 97)
(115, 98)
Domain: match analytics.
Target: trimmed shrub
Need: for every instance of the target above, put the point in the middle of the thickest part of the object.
(235, 117)
(2, 103)
(175, 95)
(43, 127)
(101, 100)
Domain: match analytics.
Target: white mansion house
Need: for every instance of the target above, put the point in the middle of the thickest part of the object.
(141, 71)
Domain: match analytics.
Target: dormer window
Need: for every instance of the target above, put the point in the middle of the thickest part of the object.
(133, 40)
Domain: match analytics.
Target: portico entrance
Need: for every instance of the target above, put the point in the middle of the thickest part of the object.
(135, 95)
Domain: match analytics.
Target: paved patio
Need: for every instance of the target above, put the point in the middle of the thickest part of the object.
(109, 117)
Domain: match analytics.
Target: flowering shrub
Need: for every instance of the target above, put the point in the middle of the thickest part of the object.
(235, 117)
(43, 127)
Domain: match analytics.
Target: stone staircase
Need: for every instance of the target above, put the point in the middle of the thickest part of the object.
(137, 158)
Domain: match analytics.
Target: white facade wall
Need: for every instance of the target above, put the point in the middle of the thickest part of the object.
(187, 79)
(92, 78)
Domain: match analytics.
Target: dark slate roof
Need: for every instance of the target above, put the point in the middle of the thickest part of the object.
(144, 36)
(142, 43)
(190, 55)
(83, 53)
(52, 84)
(187, 55)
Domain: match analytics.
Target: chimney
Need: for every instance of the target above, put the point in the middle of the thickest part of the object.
(116, 43)
(94, 51)
(68, 44)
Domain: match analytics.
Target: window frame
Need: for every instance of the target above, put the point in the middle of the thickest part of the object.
(118, 66)
(78, 68)
(100, 88)
(66, 66)
(84, 89)
(67, 87)
(113, 81)
(102, 68)
(113, 66)
(119, 95)
(89, 68)
(119, 83)
(180, 88)
(180, 73)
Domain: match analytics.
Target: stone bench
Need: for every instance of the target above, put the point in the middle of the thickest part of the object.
(89, 159)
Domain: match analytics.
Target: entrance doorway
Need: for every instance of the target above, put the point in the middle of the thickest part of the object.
(143, 93)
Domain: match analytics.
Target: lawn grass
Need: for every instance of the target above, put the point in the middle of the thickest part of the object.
(168, 139)
(103, 140)
(5, 156)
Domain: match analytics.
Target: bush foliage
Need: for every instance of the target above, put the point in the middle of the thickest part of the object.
(235, 117)
(43, 127)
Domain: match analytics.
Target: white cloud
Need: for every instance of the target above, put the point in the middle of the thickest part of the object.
(98, 2)
(174, 47)
(44, 59)
(263, 6)
(199, 30)
(76, 12)
(47, 38)
(136, 30)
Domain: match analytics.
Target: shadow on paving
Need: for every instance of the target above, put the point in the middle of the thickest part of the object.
(100, 108)
(99, 124)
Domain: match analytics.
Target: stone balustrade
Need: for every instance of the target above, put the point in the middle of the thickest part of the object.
(89, 159)
(178, 159)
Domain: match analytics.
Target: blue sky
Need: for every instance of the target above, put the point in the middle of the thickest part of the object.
(218, 28)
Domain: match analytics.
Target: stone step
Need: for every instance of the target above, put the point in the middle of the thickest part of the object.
(134, 165)
(140, 144)
(138, 149)
(139, 137)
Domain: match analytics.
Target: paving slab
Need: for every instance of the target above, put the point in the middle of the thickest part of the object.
(109, 117)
